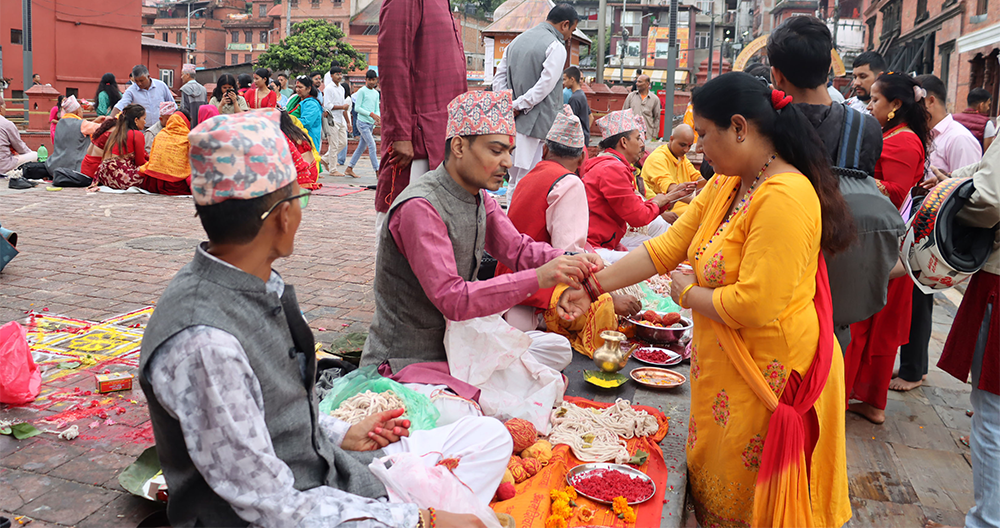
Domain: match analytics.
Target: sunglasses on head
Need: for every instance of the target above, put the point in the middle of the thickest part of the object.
(302, 198)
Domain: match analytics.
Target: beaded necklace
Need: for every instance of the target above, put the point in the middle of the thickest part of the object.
(737, 209)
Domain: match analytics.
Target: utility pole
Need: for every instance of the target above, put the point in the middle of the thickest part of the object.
(26, 46)
(624, 43)
(288, 18)
(601, 33)
(671, 67)
(711, 40)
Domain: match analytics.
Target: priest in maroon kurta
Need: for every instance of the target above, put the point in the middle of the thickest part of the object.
(422, 68)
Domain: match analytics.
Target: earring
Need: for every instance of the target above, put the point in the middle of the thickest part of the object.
(739, 138)
(892, 114)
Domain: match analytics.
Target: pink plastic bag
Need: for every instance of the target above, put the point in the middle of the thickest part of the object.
(20, 378)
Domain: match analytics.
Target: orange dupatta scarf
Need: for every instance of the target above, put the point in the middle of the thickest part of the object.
(781, 495)
(168, 158)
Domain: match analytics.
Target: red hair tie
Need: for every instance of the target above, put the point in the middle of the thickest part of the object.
(779, 100)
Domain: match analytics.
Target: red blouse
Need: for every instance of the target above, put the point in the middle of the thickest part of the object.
(268, 101)
(901, 166)
(136, 145)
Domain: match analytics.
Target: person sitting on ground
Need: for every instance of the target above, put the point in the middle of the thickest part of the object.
(668, 167)
(72, 138)
(228, 367)
(13, 151)
(95, 150)
(302, 152)
(225, 97)
(550, 205)
(167, 109)
(124, 152)
(207, 112)
(433, 242)
(168, 170)
(613, 194)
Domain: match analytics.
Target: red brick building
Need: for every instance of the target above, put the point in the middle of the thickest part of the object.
(164, 61)
(208, 37)
(957, 40)
(74, 42)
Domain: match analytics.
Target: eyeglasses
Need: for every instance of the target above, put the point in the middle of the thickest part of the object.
(302, 198)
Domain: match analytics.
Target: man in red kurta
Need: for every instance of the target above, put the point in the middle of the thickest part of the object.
(422, 62)
(612, 192)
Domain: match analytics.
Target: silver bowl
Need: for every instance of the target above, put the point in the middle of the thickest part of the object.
(659, 334)
(583, 469)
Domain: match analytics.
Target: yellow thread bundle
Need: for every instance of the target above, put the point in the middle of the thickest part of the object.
(541, 451)
(516, 468)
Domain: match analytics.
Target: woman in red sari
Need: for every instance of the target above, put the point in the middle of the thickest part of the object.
(897, 103)
(259, 95)
(95, 151)
(124, 152)
(302, 153)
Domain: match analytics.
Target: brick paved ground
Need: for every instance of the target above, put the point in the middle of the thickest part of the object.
(93, 256)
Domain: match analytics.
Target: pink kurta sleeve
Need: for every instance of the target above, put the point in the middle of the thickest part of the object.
(568, 216)
(422, 238)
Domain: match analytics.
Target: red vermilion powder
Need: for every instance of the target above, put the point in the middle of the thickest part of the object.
(606, 484)
(652, 355)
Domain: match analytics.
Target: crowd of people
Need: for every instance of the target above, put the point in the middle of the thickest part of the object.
(320, 110)
(800, 295)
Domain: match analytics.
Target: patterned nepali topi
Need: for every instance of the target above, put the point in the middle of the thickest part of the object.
(188, 69)
(481, 113)
(566, 129)
(167, 108)
(239, 156)
(70, 104)
(619, 122)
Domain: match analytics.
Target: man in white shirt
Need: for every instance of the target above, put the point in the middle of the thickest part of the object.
(532, 67)
(336, 103)
(867, 67)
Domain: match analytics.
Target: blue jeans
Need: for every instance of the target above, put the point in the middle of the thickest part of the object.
(366, 141)
(342, 156)
(984, 443)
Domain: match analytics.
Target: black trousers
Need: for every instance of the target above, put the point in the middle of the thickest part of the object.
(913, 355)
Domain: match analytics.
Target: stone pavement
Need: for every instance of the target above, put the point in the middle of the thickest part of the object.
(94, 256)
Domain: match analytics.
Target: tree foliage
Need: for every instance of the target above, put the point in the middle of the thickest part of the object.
(314, 45)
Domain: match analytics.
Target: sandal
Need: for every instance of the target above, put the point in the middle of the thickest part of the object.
(964, 440)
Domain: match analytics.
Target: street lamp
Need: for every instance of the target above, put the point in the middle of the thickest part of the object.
(189, 13)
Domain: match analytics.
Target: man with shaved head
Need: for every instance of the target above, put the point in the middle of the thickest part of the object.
(645, 104)
(668, 167)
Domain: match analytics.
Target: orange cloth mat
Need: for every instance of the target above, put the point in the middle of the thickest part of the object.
(530, 507)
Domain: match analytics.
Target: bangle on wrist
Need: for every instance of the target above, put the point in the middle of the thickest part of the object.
(433, 516)
(683, 295)
(598, 289)
(420, 519)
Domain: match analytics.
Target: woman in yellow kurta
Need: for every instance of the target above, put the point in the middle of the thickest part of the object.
(760, 309)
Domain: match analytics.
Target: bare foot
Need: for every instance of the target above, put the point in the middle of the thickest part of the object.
(901, 385)
(932, 524)
(336, 173)
(872, 414)
(326, 166)
(350, 172)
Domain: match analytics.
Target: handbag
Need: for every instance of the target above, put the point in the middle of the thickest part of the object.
(70, 178)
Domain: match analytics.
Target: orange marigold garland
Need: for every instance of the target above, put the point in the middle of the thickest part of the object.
(562, 507)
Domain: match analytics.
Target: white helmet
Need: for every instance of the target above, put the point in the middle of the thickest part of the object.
(939, 251)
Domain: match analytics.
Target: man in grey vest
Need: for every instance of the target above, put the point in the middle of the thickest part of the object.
(532, 67)
(433, 240)
(228, 368)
